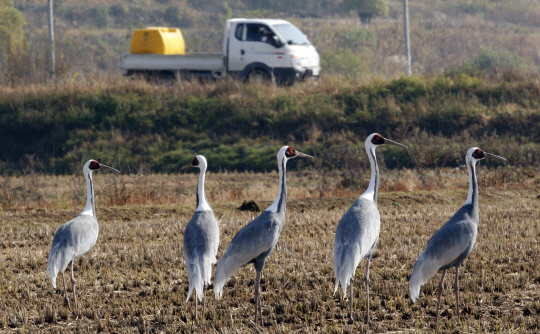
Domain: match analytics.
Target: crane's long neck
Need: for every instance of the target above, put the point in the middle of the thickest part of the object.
(280, 203)
(373, 189)
(89, 209)
(202, 201)
(472, 198)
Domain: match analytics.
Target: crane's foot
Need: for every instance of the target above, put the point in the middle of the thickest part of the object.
(260, 322)
(350, 321)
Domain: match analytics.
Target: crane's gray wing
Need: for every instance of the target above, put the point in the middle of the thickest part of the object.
(356, 236)
(448, 247)
(256, 238)
(72, 240)
(201, 240)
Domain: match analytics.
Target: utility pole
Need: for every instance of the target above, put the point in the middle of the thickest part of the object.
(406, 33)
(51, 37)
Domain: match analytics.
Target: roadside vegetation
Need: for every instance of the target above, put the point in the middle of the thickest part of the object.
(92, 35)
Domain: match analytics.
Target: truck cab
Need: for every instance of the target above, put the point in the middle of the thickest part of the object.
(269, 49)
(253, 50)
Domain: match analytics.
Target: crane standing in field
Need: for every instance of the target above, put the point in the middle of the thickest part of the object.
(357, 232)
(201, 240)
(453, 243)
(255, 241)
(76, 237)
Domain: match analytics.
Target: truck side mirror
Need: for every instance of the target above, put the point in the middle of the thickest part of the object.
(276, 42)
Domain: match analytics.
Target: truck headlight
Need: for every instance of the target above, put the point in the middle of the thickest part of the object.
(296, 61)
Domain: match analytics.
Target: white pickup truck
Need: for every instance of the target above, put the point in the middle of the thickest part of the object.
(253, 49)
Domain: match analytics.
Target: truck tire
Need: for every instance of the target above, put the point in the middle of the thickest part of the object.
(165, 78)
(260, 76)
(136, 75)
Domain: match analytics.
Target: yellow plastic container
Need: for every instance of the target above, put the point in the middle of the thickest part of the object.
(163, 41)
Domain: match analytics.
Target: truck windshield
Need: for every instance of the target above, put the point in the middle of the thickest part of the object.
(291, 34)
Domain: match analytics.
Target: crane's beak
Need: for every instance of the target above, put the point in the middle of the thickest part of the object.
(116, 170)
(303, 155)
(190, 164)
(495, 156)
(391, 142)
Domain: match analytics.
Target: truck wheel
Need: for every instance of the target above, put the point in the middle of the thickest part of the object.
(260, 76)
(165, 78)
(136, 75)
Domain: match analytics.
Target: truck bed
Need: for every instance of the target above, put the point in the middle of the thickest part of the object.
(213, 62)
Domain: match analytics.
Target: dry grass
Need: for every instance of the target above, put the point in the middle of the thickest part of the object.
(96, 83)
(36, 191)
(134, 279)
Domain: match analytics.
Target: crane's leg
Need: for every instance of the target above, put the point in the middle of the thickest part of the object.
(43, 281)
(66, 299)
(256, 300)
(73, 283)
(258, 308)
(367, 290)
(456, 288)
(440, 293)
(351, 319)
(204, 300)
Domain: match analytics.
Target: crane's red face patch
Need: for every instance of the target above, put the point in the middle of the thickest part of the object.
(195, 161)
(94, 165)
(289, 153)
(478, 154)
(377, 140)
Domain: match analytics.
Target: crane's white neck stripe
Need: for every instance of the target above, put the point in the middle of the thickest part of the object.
(280, 203)
(89, 209)
(472, 198)
(202, 201)
(373, 188)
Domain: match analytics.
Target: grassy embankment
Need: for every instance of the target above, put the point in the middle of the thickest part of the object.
(134, 125)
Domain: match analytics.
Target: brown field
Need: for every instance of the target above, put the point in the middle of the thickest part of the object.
(134, 279)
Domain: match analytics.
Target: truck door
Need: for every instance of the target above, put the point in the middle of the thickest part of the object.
(261, 45)
(254, 43)
(236, 51)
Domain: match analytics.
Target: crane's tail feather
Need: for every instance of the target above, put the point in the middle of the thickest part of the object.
(199, 273)
(423, 270)
(59, 258)
(225, 268)
(346, 259)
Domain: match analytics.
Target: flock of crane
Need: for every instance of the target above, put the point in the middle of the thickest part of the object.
(356, 235)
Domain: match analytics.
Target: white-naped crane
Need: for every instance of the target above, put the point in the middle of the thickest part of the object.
(357, 232)
(454, 241)
(201, 239)
(76, 237)
(255, 241)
